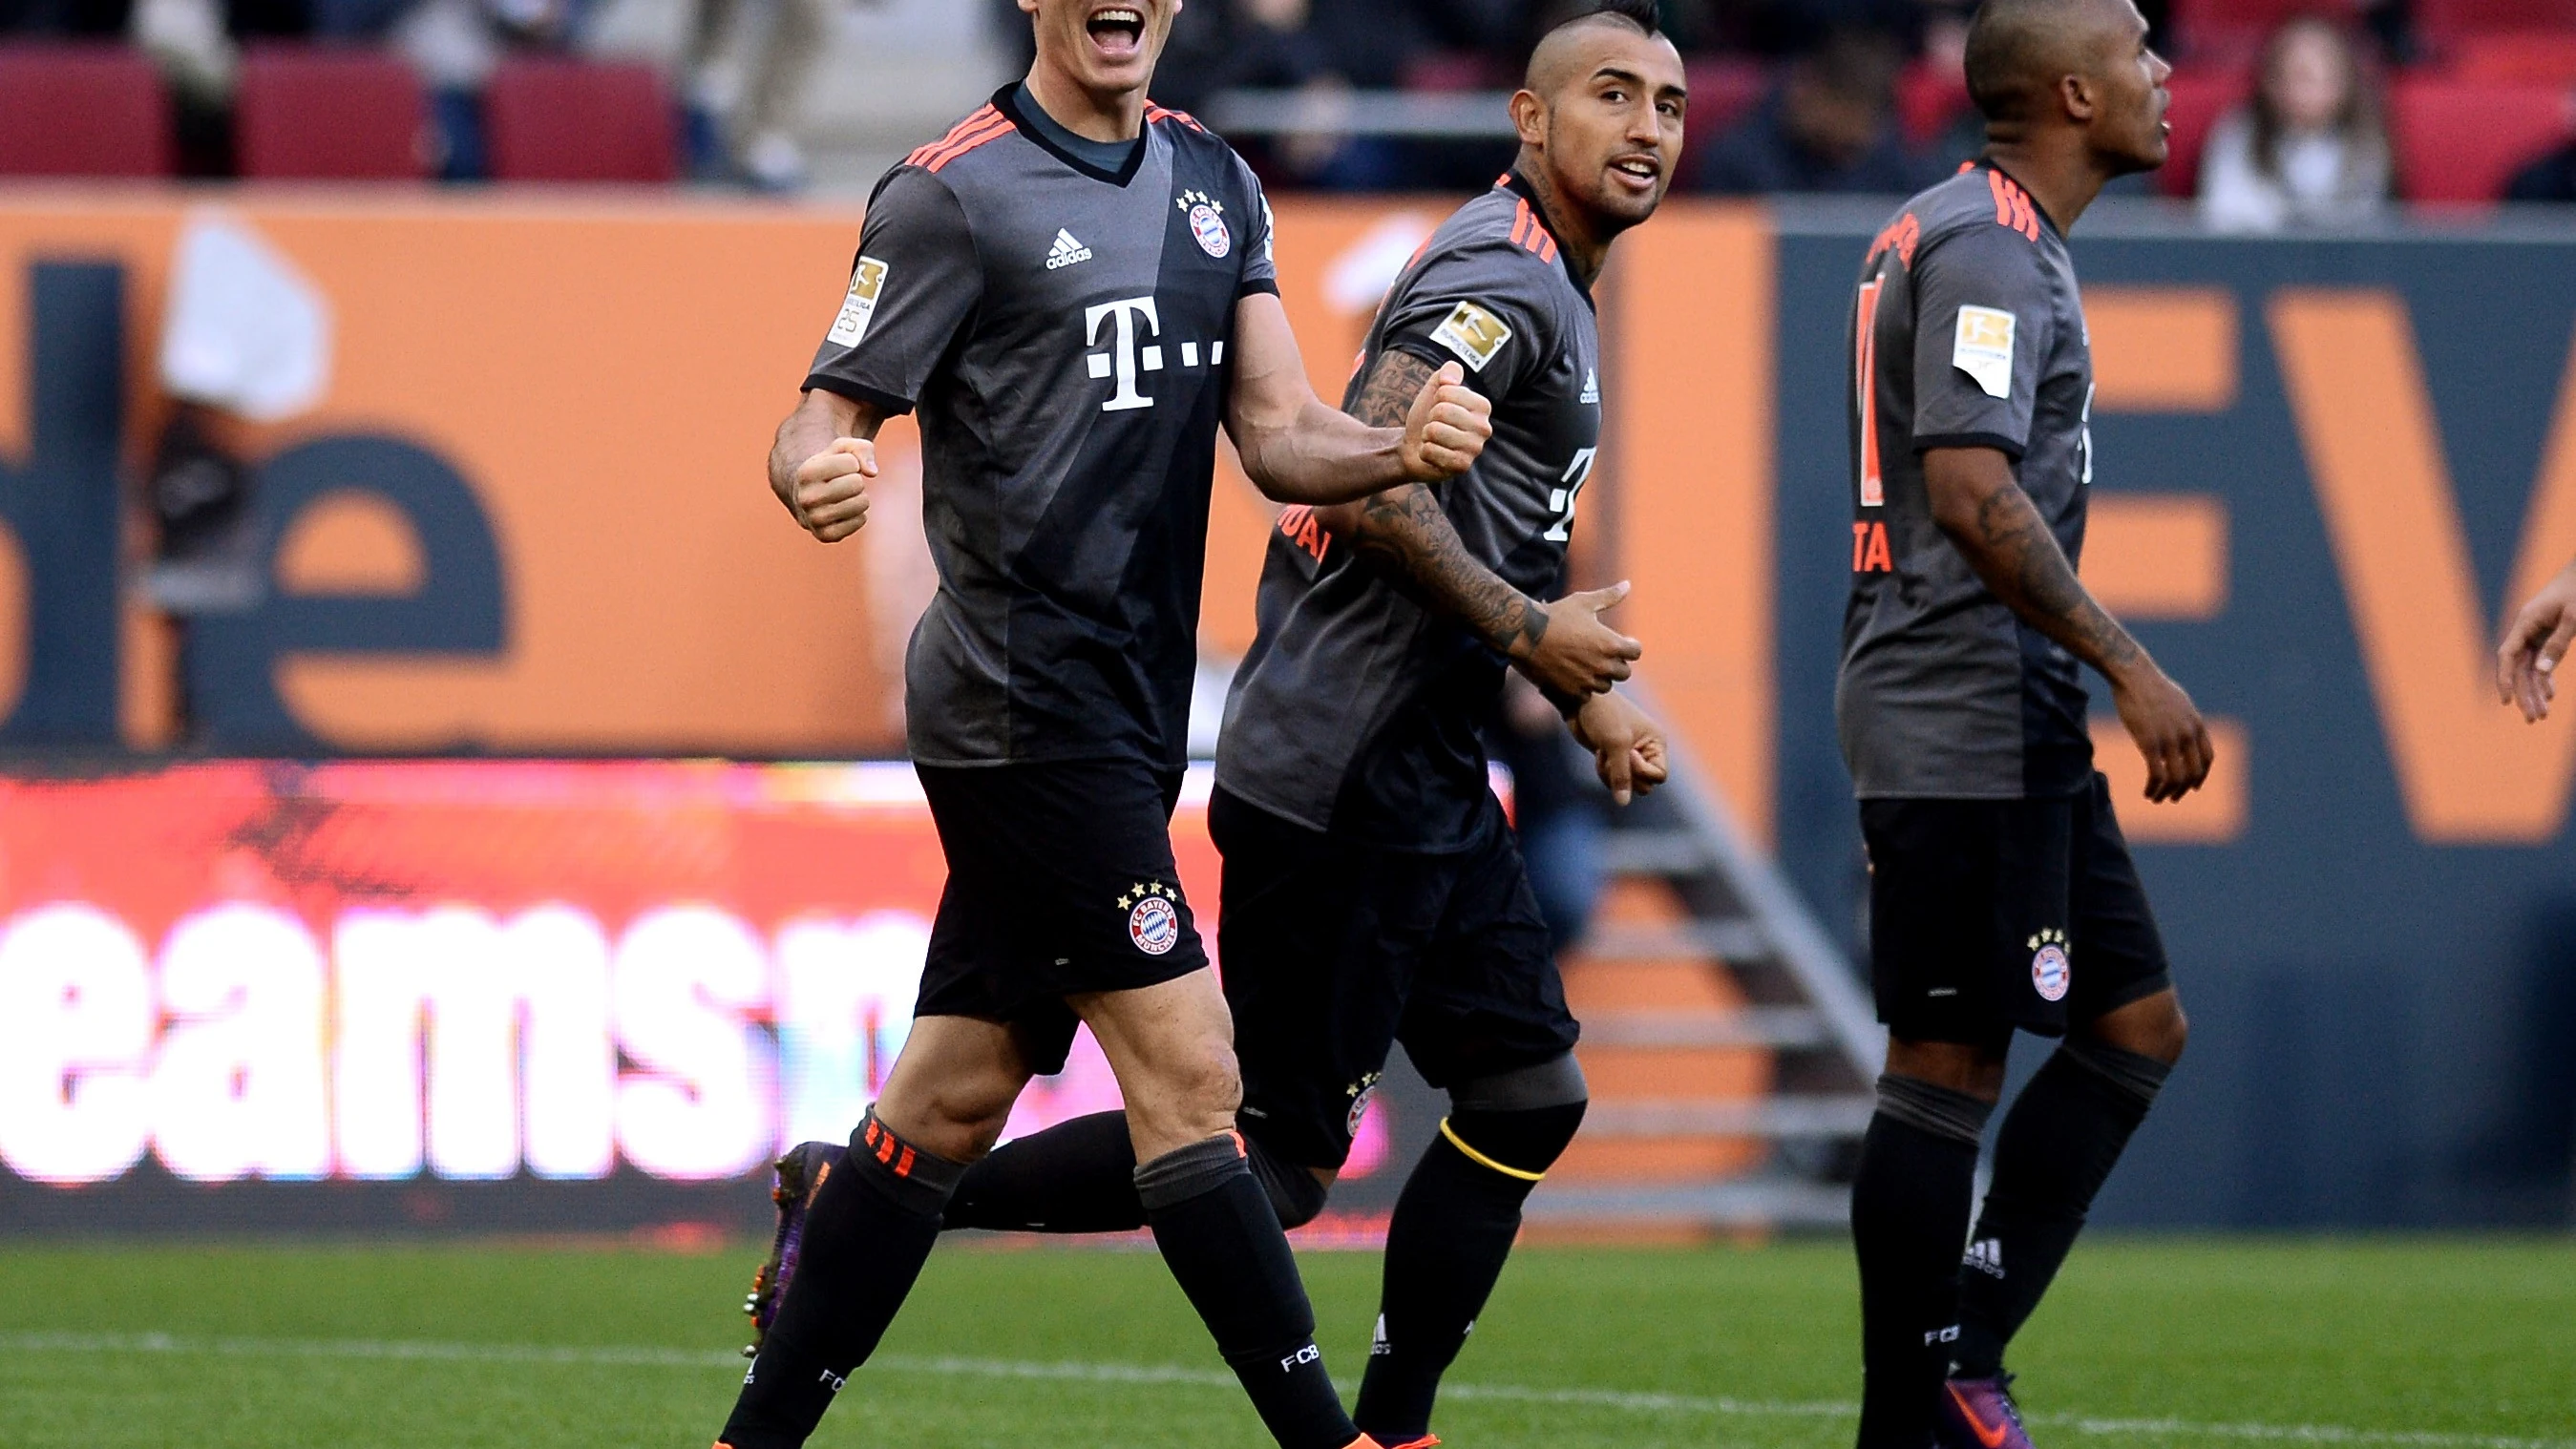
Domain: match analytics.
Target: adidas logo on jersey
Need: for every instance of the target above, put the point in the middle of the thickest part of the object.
(1066, 252)
(1591, 386)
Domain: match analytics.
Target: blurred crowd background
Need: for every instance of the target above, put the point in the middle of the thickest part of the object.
(2287, 112)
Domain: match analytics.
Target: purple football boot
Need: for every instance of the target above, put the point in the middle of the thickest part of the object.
(1981, 1414)
(800, 1176)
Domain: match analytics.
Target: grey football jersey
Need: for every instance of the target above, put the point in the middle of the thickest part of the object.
(1065, 332)
(1967, 332)
(1357, 709)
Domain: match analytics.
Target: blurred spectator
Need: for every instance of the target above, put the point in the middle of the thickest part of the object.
(747, 69)
(455, 44)
(1830, 126)
(2309, 147)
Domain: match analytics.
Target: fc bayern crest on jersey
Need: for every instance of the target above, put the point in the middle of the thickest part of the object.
(2050, 972)
(1207, 223)
(1153, 918)
(1361, 1096)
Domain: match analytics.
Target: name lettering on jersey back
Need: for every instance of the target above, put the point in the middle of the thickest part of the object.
(1129, 355)
(1297, 525)
(1870, 553)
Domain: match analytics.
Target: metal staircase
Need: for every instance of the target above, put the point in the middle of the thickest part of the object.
(1721, 970)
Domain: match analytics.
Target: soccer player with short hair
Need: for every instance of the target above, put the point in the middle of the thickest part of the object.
(2534, 644)
(2002, 896)
(1373, 892)
(1075, 289)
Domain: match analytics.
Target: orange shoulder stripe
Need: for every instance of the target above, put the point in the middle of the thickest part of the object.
(982, 125)
(992, 130)
(1154, 113)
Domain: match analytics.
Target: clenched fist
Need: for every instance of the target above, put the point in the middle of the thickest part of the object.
(829, 494)
(1446, 431)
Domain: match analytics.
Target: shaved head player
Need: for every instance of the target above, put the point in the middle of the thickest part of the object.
(1373, 890)
(1075, 290)
(2002, 896)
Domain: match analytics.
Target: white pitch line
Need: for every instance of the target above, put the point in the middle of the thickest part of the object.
(1112, 1373)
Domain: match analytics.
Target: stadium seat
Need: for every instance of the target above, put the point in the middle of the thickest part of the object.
(2516, 58)
(563, 120)
(2461, 142)
(1928, 99)
(82, 110)
(1723, 90)
(2201, 94)
(2445, 23)
(1449, 72)
(307, 112)
(2232, 30)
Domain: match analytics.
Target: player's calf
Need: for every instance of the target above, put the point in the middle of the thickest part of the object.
(1453, 1228)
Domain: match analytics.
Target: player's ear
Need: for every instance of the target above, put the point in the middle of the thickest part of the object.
(2075, 93)
(1529, 117)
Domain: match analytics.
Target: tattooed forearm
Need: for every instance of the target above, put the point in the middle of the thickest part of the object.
(1404, 532)
(2012, 551)
(1407, 535)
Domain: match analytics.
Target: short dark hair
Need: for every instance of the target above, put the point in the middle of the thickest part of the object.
(1646, 15)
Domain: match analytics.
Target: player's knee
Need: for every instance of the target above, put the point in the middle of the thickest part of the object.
(2154, 1027)
(1519, 1122)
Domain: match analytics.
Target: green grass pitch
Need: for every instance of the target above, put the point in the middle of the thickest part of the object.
(2146, 1343)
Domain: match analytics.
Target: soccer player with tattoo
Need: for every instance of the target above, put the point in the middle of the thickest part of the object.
(1075, 289)
(1373, 892)
(2535, 644)
(2002, 896)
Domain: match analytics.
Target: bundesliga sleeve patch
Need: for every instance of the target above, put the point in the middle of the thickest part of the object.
(867, 281)
(1984, 349)
(1473, 333)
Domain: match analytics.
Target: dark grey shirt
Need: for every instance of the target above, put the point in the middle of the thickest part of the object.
(1357, 709)
(1967, 332)
(1066, 332)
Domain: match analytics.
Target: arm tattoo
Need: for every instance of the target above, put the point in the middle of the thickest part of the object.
(2019, 559)
(1404, 532)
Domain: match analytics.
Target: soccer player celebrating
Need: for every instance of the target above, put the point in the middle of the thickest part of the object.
(2527, 660)
(2002, 896)
(1075, 289)
(1373, 892)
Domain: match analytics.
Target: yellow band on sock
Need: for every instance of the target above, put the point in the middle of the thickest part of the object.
(1481, 1160)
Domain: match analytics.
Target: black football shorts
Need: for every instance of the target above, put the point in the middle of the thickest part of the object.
(1990, 915)
(1060, 882)
(1334, 949)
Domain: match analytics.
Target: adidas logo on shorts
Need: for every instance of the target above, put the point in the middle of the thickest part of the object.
(1066, 251)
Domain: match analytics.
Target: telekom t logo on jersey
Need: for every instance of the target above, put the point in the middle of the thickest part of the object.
(1129, 354)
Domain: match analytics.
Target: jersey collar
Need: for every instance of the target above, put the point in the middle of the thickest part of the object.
(1518, 185)
(1988, 163)
(1007, 101)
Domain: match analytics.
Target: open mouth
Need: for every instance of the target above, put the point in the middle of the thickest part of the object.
(1119, 30)
(1639, 171)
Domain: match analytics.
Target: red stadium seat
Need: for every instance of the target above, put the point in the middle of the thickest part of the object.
(82, 110)
(336, 114)
(2201, 95)
(1448, 72)
(1723, 90)
(2232, 30)
(563, 120)
(2516, 58)
(2446, 22)
(1928, 99)
(2461, 142)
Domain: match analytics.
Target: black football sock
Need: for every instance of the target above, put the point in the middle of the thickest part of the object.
(1453, 1227)
(867, 1233)
(1909, 1214)
(1078, 1176)
(1226, 1249)
(2057, 1146)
